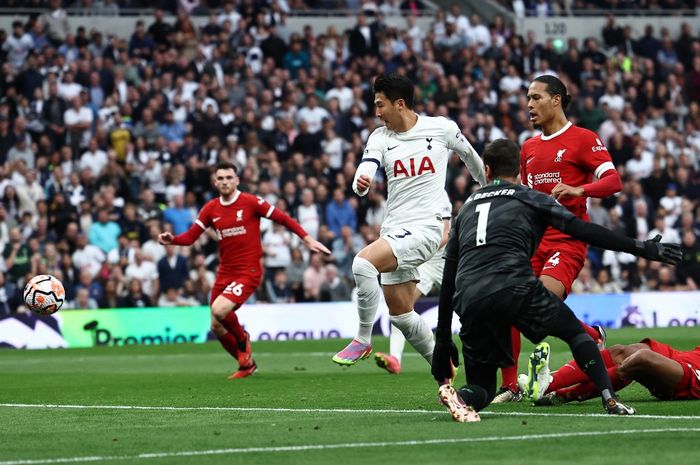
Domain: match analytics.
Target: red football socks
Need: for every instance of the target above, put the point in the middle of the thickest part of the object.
(233, 326)
(591, 331)
(229, 343)
(510, 374)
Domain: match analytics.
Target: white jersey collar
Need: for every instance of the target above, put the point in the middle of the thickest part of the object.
(559, 132)
(230, 202)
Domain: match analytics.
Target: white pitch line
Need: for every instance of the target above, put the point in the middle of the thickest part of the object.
(314, 447)
(330, 410)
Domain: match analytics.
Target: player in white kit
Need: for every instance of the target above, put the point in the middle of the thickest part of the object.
(414, 152)
(430, 276)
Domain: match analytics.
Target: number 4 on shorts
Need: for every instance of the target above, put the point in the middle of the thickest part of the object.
(234, 288)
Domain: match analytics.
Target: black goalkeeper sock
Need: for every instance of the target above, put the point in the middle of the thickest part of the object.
(587, 355)
(474, 396)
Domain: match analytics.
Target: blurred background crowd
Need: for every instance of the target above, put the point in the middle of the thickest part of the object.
(107, 141)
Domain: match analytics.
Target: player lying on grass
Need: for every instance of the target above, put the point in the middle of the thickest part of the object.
(668, 374)
(489, 283)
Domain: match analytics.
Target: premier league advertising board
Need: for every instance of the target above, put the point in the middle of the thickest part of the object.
(117, 327)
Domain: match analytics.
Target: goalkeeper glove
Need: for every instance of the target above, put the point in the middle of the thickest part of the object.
(653, 249)
(445, 360)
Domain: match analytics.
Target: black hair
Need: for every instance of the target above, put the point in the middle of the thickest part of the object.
(227, 165)
(503, 156)
(395, 87)
(555, 87)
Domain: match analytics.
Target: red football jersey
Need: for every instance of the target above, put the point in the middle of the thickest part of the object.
(237, 225)
(572, 156)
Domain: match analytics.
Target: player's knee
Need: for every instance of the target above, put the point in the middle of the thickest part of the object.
(361, 267)
(219, 311)
(638, 361)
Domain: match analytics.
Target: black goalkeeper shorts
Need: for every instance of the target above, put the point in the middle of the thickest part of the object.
(531, 308)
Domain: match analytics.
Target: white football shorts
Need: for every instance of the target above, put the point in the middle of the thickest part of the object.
(412, 246)
(431, 273)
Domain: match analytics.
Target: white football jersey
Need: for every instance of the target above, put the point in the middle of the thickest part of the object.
(415, 163)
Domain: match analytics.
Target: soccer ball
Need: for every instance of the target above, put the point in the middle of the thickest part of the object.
(44, 294)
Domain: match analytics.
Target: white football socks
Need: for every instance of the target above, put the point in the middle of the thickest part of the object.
(397, 341)
(417, 333)
(367, 296)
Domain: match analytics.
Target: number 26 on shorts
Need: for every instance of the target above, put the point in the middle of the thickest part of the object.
(234, 288)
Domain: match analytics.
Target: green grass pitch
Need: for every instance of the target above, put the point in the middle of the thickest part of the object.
(173, 405)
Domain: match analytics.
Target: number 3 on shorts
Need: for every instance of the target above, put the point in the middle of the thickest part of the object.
(234, 288)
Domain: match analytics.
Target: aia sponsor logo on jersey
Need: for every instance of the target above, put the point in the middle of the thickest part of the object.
(239, 215)
(425, 166)
(560, 154)
(600, 147)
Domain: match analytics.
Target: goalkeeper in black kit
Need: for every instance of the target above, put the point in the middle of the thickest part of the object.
(489, 283)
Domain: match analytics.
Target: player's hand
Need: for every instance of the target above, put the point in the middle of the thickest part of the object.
(363, 183)
(563, 191)
(165, 238)
(315, 246)
(445, 358)
(665, 253)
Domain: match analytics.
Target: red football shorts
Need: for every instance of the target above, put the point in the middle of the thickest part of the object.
(560, 259)
(237, 290)
(689, 385)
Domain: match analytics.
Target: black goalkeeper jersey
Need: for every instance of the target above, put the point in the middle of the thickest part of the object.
(499, 228)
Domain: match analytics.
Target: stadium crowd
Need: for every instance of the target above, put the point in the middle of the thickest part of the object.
(547, 8)
(106, 141)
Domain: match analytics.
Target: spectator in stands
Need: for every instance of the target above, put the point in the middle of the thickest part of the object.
(340, 212)
(278, 289)
(82, 301)
(314, 277)
(178, 216)
(104, 232)
(56, 23)
(172, 269)
(334, 288)
(135, 296)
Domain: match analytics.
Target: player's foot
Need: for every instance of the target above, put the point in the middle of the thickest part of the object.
(460, 411)
(388, 362)
(245, 371)
(615, 407)
(506, 394)
(602, 339)
(353, 352)
(549, 400)
(245, 355)
(538, 375)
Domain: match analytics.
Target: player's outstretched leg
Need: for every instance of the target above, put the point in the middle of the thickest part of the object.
(391, 362)
(538, 374)
(454, 403)
(368, 291)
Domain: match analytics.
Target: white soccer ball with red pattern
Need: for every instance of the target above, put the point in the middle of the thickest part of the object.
(44, 294)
